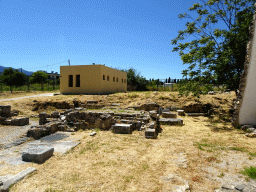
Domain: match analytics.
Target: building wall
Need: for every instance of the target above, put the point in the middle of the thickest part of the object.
(113, 86)
(247, 114)
(91, 79)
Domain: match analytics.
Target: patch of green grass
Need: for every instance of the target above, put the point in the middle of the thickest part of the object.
(250, 172)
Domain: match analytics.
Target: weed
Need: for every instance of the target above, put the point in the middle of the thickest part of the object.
(250, 172)
(221, 175)
(131, 96)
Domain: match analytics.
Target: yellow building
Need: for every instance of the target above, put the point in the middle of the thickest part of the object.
(91, 79)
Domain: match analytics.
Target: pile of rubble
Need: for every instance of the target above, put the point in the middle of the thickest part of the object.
(6, 117)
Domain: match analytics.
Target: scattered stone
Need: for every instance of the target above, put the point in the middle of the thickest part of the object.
(173, 182)
(93, 133)
(212, 93)
(251, 129)
(244, 127)
(197, 108)
(37, 154)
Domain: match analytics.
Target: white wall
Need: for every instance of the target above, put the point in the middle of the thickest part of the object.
(247, 113)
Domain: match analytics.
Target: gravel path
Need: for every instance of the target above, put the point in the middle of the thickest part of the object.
(31, 96)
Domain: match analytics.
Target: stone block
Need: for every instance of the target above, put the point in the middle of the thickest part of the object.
(37, 154)
(92, 101)
(165, 110)
(196, 114)
(122, 128)
(93, 133)
(181, 112)
(55, 114)
(171, 121)
(169, 115)
(150, 134)
(20, 121)
(42, 118)
(5, 109)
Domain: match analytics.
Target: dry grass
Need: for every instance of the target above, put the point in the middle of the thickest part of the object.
(113, 162)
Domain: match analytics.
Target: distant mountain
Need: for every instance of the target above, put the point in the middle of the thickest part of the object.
(23, 71)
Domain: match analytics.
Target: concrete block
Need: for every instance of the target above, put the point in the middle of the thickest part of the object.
(37, 154)
(122, 128)
(150, 134)
(171, 121)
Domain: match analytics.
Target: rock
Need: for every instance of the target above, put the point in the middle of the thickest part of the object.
(42, 118)
(55, 114)
(122, 128)
(165, 110)
(37, 154)
(195, 114)
(181, 112)
(244, 127)
(93, 133)
(228, 186)
(171, 121)
(212, 93)
(1, 183)
(251, 129)
(92, 101)
(169, 115)
(153, 114)
(150, 134)
(240, 187)
(5, 110)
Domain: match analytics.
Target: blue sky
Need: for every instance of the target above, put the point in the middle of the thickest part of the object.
(35, 34)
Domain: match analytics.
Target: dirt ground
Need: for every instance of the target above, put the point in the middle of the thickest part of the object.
(206, 152)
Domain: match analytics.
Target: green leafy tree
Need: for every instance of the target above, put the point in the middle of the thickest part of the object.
(38, 77)
(134, 78)
(218, 43)
(12, 77)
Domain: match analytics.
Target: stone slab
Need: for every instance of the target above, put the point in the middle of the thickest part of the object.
(37, 154)
(195, 114)
(169, 115)
(122, 128)
(150, 134)
(171, 121)
(16, 178)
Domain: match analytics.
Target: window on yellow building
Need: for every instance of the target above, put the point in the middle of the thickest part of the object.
(117, 79)
(103, 77)
(114, 79)
(108, 78)
(70, 80)
(77, 80)
(122, 80)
